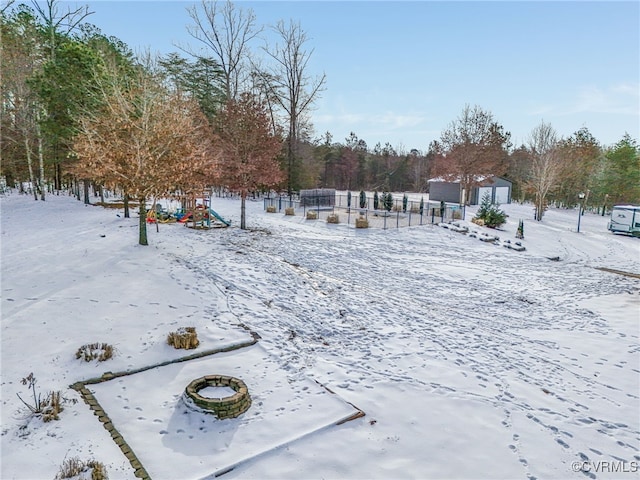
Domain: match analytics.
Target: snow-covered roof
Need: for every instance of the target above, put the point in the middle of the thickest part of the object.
(476, 178)
(627, 207)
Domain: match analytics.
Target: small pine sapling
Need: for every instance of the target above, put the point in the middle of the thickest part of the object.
(489, 214)
(485, 206)
(363, 199)
(405, 200)
(520, 231)
(421, 206)
(387, 201)
(348, 199)
(376, 200)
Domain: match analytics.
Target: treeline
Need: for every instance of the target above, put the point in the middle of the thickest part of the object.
(78, 106)
(547, 170)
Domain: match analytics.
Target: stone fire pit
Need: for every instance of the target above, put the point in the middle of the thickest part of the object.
(229, 406)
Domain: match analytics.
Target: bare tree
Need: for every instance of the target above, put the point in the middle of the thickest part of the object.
(545, 165)
(227, 31)
(56, 22)
(295, 89)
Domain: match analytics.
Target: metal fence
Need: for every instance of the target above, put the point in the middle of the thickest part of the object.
(415, 213)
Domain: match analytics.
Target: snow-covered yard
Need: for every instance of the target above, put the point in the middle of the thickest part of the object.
(469, 360)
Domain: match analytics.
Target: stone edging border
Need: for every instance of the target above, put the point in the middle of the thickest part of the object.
(94, 405)
(619, 272)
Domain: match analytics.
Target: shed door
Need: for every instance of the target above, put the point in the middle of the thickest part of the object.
(482, 191)
(502, 195)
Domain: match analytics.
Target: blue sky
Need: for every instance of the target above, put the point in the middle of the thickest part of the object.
(400, 72)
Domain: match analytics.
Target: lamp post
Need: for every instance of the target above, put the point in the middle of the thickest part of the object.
(580, 196)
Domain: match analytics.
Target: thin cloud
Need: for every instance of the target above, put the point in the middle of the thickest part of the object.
(621, 99)
(389, 120)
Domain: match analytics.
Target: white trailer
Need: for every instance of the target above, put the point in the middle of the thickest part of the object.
(625, 219)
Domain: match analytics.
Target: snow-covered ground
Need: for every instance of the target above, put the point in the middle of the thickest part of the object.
(470, 360)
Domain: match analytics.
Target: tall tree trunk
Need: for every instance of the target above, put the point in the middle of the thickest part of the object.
(243, 224)
(85, 184)
(41, 161)
(539, 207)
(101, 188)
(143, 222)
(30, 165)
(126, 205)
(58, 178)
(290, 165)
(156, 215)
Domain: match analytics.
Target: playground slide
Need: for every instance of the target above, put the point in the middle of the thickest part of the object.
(218, 217)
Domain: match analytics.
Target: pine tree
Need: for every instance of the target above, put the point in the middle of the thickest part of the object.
(376, 200)
(421, 205)
(490, 214)
(363, 199)
(485, 206)
(387, 201)
(405, 199)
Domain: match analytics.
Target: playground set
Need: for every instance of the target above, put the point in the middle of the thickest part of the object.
(196, 212)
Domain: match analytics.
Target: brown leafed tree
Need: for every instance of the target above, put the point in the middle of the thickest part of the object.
(249, 149)
(473, 147)
(580, 154)
(145, 140)
(518, 172)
